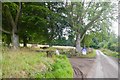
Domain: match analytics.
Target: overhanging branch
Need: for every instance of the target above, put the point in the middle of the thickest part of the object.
(90, 23)
(4, 31)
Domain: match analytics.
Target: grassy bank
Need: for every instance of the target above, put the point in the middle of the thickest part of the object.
(25, 63)
(109, 52)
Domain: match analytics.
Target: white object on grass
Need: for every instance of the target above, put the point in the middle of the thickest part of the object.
(57, 52)
(84, 51)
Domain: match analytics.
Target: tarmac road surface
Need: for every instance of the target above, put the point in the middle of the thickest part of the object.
(104, 67)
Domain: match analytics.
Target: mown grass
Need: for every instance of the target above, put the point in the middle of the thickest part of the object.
(91, 54)
(25, 63)
(109, 53)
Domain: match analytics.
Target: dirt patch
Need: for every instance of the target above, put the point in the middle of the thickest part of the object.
(81, 66)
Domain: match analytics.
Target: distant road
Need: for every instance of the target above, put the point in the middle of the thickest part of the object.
(104, 67)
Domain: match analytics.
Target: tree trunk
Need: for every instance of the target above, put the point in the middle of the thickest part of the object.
(25, 41)
(78, 46)
(15, 39)
(24, 44)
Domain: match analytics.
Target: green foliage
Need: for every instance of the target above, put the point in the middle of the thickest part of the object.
(63, 42)
(88, 18)
(60, 70)
(109, 42)
(25, 63)
(38, 22)
(45, 22)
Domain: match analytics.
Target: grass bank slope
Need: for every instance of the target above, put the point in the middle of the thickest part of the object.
(25, 63)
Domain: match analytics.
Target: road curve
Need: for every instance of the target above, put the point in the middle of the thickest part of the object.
(104, 67)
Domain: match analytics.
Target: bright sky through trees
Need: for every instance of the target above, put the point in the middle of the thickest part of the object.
(115, 27)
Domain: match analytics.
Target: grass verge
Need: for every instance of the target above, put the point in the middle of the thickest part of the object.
(92, 54)
(25, 63)
(109, 52)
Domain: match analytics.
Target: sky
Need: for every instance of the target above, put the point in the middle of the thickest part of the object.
(115, 27)
(115, 23)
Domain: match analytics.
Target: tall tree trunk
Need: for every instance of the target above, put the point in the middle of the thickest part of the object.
(78, 46)
(15, 38)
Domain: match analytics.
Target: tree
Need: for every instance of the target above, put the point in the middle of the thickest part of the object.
(34, 23)
(45, 22)
(13, 18)
(113, 42)
(38, 22)
(85, 17)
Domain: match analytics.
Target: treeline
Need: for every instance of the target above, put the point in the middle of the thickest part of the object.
(55, 23)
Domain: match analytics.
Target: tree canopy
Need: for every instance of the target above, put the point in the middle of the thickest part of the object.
(76, 24)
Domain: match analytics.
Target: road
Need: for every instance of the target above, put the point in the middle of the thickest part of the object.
(81, 66)
(104, 67)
